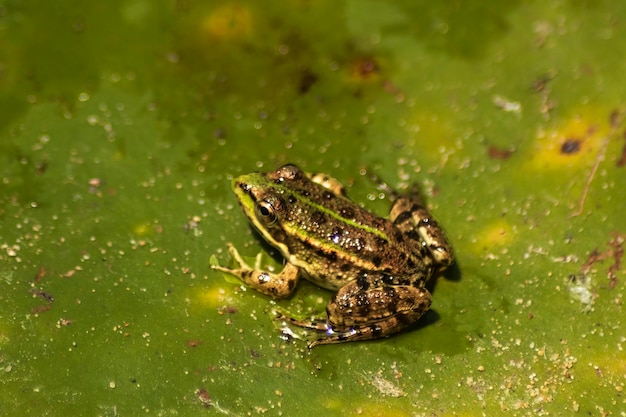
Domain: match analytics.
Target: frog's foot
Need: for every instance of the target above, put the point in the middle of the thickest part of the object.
(275, 285)
(243, 266)
(328, 334)
(414, 220)
(314, 325)
(365, 332)
(320, 327)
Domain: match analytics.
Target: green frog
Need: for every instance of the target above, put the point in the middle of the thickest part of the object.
(377, 267)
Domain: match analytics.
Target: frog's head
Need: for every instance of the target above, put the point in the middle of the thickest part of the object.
(262, 198)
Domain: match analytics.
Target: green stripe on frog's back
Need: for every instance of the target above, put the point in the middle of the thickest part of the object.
(302, 197)
(314, 223)
(311, 245)
(330, 234)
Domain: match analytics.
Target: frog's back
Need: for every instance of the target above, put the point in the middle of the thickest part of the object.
(334, 240)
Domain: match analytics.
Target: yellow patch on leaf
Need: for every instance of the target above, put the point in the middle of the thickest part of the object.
(494, 235)
(229, 21)
(573, 143)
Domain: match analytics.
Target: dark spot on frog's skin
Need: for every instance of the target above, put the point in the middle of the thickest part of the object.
(330, 255)
(425, 222)
(392, 303)
(403, 217)
(413, 235)
(346, 213)
(328, 195)
(386, 279)
(306, 246)
(318, 218)
(341, 337)
(376, 330)
(418, 283)
(291, 199)
(346, 267)
(274, 292)
(280, 203)
(362, 282)
(405, 319)
(434, 248)
(403, 281)
(570, 146)
(376, 260)
(246, 189)
(390, 292)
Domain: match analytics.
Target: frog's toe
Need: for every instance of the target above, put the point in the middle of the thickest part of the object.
(315, 325)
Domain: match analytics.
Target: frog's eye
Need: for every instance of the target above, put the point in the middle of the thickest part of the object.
(264, 211)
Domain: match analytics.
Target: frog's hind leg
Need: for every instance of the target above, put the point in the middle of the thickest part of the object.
(364, 309)
(329, 334)
(377, 330)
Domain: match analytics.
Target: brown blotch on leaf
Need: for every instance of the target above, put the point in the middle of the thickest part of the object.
(204, 397)
(622, 160)
(571, 146)
(307, 79)
(498, 153)
(40, 274)
(365, 68)
(615, 251)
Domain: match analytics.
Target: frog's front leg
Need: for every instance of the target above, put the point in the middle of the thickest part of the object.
(275, 285)
(364, 309)
(328, 182)
(409, 214)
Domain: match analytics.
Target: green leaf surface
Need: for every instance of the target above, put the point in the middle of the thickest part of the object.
(122, 123)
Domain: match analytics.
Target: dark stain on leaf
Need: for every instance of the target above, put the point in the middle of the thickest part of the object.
(365, 68)
(204, 397)
(307, 79)
(498, 153)
(571, 146)
(622, 160)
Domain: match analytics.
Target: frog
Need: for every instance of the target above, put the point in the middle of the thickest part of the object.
(377, 267)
